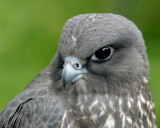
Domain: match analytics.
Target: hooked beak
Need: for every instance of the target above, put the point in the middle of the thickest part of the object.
(73, 70)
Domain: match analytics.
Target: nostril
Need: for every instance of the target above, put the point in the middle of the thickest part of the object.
(77, 66)
(74, 62)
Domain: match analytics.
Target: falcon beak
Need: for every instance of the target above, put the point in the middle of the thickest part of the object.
(73, 70)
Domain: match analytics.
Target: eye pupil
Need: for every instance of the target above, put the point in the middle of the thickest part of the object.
(103, 53)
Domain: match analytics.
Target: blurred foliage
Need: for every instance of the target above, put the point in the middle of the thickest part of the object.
(30, 30)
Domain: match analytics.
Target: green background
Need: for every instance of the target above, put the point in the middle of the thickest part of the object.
(30, 30)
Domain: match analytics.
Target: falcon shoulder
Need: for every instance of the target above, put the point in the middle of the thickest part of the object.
(35, 106)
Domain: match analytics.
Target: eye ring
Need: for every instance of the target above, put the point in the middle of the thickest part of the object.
(102, 54)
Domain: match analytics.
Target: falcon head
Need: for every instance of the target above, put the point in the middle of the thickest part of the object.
(102, 51)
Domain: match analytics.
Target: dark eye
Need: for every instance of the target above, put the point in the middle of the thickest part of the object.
(103, 54)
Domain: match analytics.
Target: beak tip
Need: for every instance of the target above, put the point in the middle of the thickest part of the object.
(64, 85)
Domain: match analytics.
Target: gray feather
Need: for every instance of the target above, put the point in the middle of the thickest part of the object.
(112, 94)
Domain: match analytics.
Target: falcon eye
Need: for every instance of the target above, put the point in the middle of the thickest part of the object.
(102, 54)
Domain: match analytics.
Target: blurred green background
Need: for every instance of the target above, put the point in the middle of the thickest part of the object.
(30, 31)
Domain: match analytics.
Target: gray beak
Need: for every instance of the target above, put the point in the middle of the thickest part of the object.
(73, 70)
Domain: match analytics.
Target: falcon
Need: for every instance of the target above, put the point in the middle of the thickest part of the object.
(98, 78)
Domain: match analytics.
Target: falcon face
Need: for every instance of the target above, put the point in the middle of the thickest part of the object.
(97, 79)
(102, 47)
